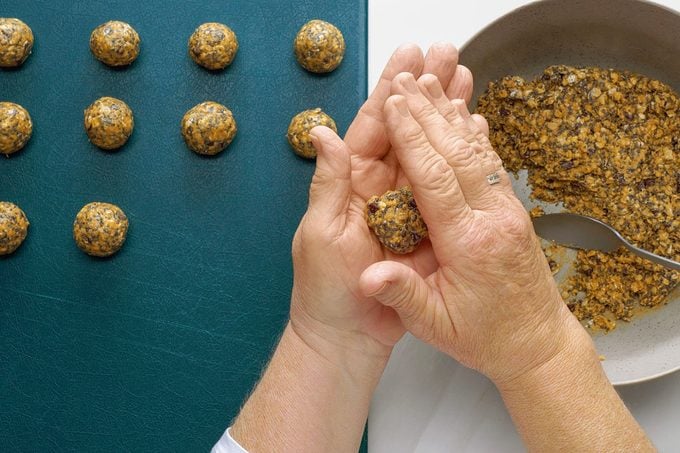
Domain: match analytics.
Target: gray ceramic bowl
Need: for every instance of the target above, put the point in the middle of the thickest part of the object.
(623, 34)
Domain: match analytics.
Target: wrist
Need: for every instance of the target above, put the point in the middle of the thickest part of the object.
(354, 354)
(576, 361)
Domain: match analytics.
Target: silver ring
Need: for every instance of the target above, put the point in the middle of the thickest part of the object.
(493, 178)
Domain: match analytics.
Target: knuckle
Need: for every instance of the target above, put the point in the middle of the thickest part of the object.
(438, 175)
(425, 110)
(414, 136)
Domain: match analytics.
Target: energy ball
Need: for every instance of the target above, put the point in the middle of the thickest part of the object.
(115, 43)
(16, 127)
(100, 229)
(396, 221)
(301, 124)
(213, 46)
(319, 46)
(109, 123)
(13, 227)
(208, 128)
(16, 42)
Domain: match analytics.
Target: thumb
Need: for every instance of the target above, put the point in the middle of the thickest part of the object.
(401, 288)
(331, 188)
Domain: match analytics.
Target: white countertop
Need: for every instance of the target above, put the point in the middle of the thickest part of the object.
(426, 402)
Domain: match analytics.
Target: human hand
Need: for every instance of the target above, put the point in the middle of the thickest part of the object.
(333, 244)
(492, 302)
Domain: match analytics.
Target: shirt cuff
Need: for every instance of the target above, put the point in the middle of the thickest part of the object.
(227, 444)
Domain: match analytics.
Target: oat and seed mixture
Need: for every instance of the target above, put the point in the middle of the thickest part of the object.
(115, 43)
(213, 46)
(16, 42)
(605, 143)
(301, 124)
(319, 46)
(396, 221)
(13, 227)
(208, 128)
(16, 127)
(109, 123)
(100, 229)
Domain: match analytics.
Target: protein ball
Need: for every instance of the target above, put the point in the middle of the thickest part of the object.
(16, 42)
(213, 46)
(301, 124)
(109, 123)
(319, 46)
(13, 227)
(115, 43)
(100, 229)
(16, 127)
(396, 221)
(208, 128)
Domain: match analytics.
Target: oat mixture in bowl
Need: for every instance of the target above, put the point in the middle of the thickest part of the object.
(605, 143)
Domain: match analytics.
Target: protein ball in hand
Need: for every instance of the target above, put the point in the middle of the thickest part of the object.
(213, 46)
(115, 43)
(13, 227)
(100, 229)
(301, 124)
(396, 221)
(319, 46)
(16, 42)
(16, 127)
(208, 128)
(109, 123)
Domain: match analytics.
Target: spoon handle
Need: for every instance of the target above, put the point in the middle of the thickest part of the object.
(668, 263)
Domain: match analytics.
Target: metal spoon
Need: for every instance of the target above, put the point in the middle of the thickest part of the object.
(577, 231)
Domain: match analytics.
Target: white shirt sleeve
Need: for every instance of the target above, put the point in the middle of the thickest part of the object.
(227, 444)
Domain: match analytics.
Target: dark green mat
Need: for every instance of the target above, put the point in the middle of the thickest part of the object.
(155, 349)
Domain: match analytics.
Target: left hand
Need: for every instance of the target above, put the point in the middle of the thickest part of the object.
(333, 244)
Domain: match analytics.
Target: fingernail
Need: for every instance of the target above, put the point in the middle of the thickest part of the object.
(435, 89)
(402, 107)
(410, 84)
(315, 140)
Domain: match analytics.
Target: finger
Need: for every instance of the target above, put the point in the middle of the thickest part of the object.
(455, 142)
(331, 189)
(461, 85)
(482, 124)
(435, 187)
(366, 135)
(399, 287)
(441, 61)
(491, 162)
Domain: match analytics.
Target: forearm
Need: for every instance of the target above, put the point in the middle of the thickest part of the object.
(307, 401)
(569, 405)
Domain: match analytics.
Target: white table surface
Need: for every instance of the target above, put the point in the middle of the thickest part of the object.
(426, 402)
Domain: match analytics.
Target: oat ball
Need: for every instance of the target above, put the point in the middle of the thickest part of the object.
(396, 221)
(208, 128)
(16, 127)
(115, 43)
(16, 42)
(109, 123)
(13, 227)
(100, 229)
(301, 124)
(213, 46)
(319, 46)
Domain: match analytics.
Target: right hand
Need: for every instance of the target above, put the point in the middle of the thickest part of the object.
(491, 303)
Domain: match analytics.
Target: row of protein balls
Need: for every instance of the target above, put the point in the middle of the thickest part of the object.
(319, 46)
(207, 128)
(99, 229)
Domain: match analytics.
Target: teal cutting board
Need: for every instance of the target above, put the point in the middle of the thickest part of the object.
(156, 348)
